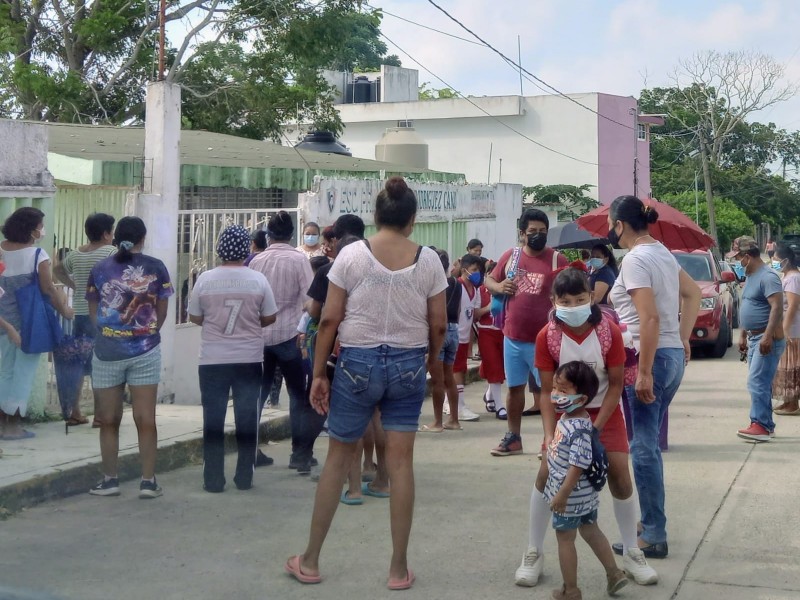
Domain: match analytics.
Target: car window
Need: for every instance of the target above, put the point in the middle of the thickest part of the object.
(696, 266)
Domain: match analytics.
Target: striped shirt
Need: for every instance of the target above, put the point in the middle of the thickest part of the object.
(79, 264)
(571, 446)
(289, 275)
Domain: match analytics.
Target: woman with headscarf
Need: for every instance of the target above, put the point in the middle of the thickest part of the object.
(231, 303)
(128, 296)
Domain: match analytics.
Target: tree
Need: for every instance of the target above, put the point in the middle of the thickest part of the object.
(429, 93)
(731, 220)
(89, 60)
(571, 199)
(713, 94)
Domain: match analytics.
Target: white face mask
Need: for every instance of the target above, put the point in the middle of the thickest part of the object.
(41, 233)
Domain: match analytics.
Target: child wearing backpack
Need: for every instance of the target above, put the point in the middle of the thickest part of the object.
(569, 491)
(578, 330)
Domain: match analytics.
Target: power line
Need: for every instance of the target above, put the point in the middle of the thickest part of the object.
(458, 37)
(517, 65)
(480, 108)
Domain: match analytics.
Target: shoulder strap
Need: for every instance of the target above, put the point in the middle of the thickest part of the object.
(513, 262)
(366, 243)
(554, 335)
(416, 257)
(36, 264)
(555, 259)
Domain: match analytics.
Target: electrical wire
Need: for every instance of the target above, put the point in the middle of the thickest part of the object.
(488, 114)
(520, 67)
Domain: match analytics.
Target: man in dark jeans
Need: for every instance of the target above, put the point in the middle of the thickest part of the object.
(232, 303)
(289, 274)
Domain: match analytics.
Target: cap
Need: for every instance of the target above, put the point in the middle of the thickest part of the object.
(741, 244)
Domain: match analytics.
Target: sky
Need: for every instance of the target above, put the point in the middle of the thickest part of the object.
(611, 46)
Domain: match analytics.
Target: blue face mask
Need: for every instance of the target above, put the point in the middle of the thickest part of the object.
(574, 316)
(566, 403)
(311, 240)
(474, 278)
(595, 263)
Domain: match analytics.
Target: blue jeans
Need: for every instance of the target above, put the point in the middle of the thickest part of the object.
(306, 423)
(216, 384)
(648, 468)
(760, 374)
(392, 379)
(17, 370)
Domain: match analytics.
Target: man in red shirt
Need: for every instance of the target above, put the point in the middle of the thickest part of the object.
(528, 305)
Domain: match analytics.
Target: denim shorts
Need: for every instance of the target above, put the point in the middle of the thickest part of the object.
(144, 369)
(566, 523)
(450, 347)
(518, 361)
(388, 378)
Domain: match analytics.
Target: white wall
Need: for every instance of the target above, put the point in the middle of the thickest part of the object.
(460, 136)
(187, 345)
(399, 84)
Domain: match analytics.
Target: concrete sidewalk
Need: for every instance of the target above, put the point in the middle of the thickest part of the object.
(732, 531)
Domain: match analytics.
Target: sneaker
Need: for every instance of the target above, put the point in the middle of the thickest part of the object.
(304, 468)
(755, 432)
(615, 582)
(262, 460)
(528, 573)
(150, 489)
(296, 464)
(467, 415)
(635, 565)
(510, 444)
(106, 487)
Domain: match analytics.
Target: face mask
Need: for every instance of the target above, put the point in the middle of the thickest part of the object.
(782, 265)
(595, 263)
(310, 240)
(574, 316)
(777, 265)
(41, 234)
(474, 278)
(566, 403)
(537, 241)
(613, 238)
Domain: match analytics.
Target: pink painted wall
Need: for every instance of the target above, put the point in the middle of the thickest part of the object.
(616, 145)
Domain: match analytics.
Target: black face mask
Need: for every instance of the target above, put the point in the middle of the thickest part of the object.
(613, 238)
(537, 241)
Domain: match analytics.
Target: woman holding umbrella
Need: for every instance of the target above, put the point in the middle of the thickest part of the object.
(649, 294)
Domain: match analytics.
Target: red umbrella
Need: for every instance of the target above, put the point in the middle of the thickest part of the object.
(673, 229)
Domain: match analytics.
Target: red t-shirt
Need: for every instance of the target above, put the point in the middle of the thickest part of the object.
(527, 310)
(546, 362)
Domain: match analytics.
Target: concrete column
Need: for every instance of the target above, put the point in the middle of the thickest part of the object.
(158, 205)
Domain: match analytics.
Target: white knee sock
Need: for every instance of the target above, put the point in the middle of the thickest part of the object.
(496, 393)
(460, 389)
(625, 513)
(540, 518)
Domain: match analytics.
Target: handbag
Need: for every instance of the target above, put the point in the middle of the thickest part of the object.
(40, 329)
(597, 473)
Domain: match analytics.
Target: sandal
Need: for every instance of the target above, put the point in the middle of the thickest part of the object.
(501, 414)
(489, 402)
(73, 421)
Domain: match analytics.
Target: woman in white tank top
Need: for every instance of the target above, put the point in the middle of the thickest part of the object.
(386, 300)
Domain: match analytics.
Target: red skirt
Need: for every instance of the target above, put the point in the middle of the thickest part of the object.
(490, 345)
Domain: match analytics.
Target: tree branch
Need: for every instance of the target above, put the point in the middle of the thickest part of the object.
(190, 38)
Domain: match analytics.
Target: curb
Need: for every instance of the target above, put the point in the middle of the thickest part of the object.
(78, 479)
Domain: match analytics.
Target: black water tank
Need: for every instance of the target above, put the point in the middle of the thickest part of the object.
(323, 141)
(362, 90)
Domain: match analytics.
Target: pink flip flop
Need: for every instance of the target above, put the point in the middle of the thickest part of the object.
(292, 567)
(402, 584)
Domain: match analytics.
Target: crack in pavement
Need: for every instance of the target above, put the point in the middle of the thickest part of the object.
(711, 524)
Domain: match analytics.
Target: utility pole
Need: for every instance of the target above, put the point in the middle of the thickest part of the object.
(635, 112)
(696, 200)
(162, 37)
(519, 63)
(712, 215)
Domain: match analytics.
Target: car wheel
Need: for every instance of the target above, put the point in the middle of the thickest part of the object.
(722, 344)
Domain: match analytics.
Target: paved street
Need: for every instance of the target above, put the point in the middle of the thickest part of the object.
(727, 503)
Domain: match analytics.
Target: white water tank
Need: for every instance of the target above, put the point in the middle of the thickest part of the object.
(402, 146)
